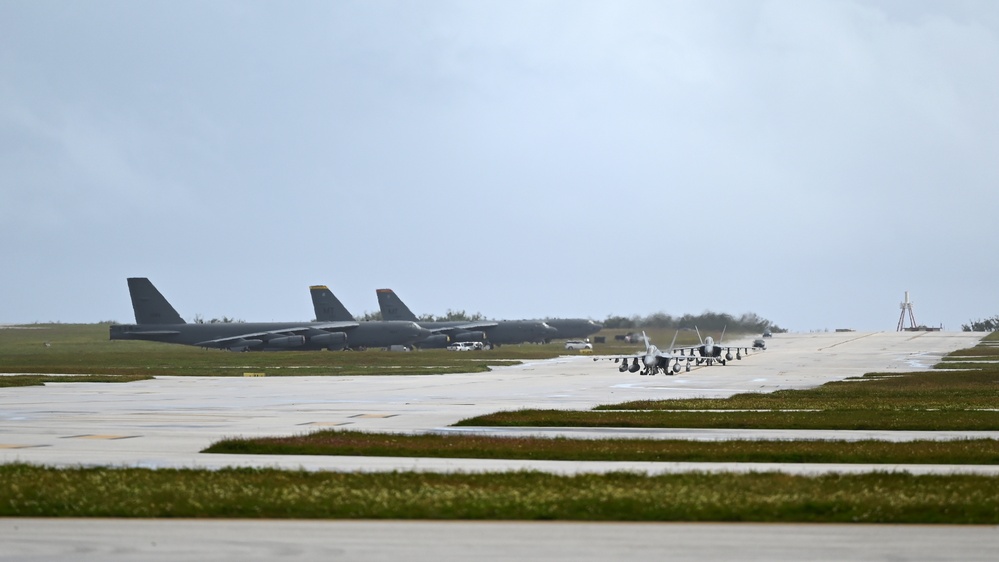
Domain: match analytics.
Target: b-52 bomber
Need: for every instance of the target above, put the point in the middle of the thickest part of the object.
(654, 360)
(328, 308)
(491, 332)
(157, 320)
(572, 328)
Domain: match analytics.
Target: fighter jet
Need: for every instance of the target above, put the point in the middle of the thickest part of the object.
(157, 320)
(711, 352)
(492, 332)
(653, 360)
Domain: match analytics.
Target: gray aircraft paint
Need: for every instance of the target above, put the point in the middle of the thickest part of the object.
(573, 328)
(157, 320)
(496, 332)
(328, 308)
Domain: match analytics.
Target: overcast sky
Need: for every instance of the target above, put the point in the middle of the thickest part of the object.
(806, 161)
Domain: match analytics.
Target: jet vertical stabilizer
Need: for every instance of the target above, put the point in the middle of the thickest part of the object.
(392, 306)
(150, 306)
(328, 308)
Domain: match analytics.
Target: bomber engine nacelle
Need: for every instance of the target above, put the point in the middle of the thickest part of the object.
(468, 336)
(243, 345)
(333, 341)
(434, 342)
(286, 341)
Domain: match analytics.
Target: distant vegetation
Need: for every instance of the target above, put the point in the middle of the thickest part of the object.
(709, 321)
(224, 320)
(986, 325)
(451, 316)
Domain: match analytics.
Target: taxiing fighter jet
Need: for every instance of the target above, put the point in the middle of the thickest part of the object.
(710, 352)
(654, 360)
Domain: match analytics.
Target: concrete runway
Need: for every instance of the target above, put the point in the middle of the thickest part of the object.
(166, 421)
(99, 540)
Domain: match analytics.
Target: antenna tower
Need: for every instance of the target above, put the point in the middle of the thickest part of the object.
(906, 306)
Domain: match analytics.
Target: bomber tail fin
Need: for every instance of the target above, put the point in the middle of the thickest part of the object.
(149, 305)
(328, 307)
(392, 306)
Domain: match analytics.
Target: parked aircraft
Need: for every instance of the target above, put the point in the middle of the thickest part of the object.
(493, 332)
(157, 320)
(572, 328)
(328, 308)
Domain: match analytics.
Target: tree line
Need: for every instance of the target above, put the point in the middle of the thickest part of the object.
(711, 321)
(450, 316)
(984, 325)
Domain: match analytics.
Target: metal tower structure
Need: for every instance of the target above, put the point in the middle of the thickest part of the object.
(906, 306)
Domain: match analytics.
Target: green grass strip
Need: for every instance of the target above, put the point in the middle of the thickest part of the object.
(39, 380)
(86, 349)
(920, 401)
(950, 390)
(905, 420)
(357, 443)
(30, 491)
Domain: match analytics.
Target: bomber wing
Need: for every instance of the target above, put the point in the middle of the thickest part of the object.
(292, 336)
(469, 326)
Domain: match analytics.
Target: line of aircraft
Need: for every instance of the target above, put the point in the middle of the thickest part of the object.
(334, 329)
(655, 360)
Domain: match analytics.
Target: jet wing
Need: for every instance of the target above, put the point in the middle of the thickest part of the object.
(290, 331)
(466, 327)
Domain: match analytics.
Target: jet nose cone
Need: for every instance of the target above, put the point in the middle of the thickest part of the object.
(548, 329)
(421, 332)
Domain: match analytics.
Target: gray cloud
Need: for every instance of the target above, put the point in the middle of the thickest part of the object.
(806, 161)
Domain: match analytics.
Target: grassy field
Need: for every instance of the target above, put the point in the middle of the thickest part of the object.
(30, 491)
(929, 401)
(40, 380)
(83, 349)
(357, 443)
(86, 349)
(934, 400)
(762, 497)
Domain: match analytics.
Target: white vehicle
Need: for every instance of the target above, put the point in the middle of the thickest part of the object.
(577, 344)
(465, 346)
